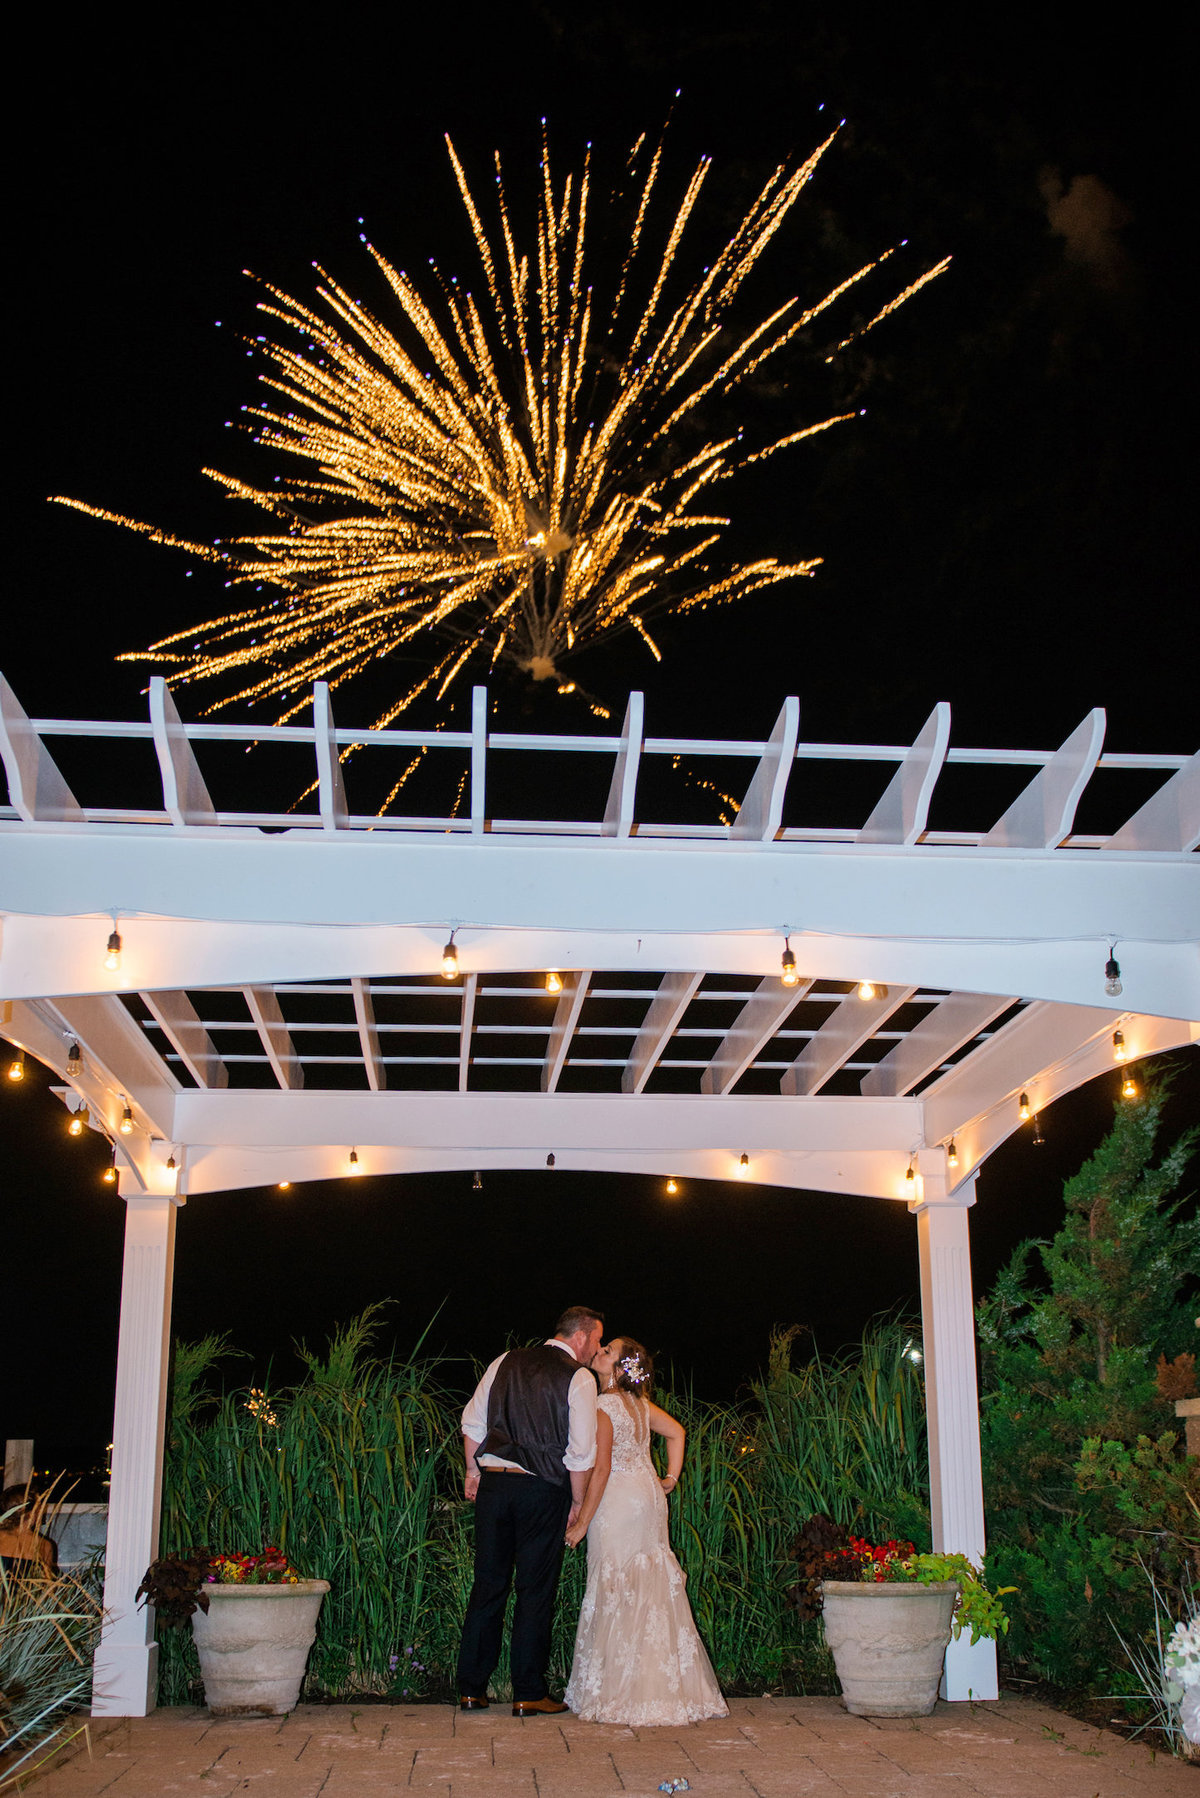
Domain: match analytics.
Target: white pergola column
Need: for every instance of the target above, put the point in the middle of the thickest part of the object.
(125, 1670)
(952, 1402)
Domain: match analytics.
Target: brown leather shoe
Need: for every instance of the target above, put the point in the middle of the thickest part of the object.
(538, 1707)
(469, 1703)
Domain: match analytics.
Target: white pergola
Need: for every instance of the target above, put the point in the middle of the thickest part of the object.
(279, 1000)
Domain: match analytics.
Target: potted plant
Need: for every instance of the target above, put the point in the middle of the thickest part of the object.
(889, 1613)
(253, 1617)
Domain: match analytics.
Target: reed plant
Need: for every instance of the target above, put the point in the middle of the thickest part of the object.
(49, 1627)
(356, 1474)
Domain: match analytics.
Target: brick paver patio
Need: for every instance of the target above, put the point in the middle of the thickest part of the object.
(767, 1748)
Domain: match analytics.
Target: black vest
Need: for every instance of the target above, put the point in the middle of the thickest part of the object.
(528, 1415)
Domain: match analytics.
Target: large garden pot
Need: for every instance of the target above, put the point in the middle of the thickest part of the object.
(888, 1643)
(253, 1643)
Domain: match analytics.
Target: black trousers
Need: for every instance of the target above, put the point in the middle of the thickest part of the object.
(520, 1522)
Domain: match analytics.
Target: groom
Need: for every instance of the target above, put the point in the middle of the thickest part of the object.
(530, 1438)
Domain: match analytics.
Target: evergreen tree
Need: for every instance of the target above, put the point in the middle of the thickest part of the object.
(1085, 1476)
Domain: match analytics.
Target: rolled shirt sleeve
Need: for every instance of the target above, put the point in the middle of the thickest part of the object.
(581, 1433)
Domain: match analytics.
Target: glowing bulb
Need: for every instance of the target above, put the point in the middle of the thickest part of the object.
(110, 1175)
(1112, 977)
(78, 1120)
(354, 1167)
(788, 973)
(1024, 1108)
(554, 982)
(910, 1173)
(450, 960)
(1129, 1087)
(866, 989)
(744, 1167)
(74, 1059)
(126, 1122)
(284, 1186)
(672, 1187)
(16, 1067)
(1119, 1049)
(170, 1164)
(112, 954)
(951, 1153)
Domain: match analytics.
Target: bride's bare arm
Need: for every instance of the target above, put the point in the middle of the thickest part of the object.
(598, 1481)
(663, 1424)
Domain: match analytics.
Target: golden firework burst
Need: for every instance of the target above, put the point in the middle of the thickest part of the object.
(511, 474)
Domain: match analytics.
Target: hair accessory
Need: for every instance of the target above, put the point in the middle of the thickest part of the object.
(632, 1368)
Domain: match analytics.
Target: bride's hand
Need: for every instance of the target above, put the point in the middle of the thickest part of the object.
(575, 1535)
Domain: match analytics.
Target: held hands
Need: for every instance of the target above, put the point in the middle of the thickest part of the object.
(575, 1534)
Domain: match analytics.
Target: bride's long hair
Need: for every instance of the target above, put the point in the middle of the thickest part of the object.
(633, 1374)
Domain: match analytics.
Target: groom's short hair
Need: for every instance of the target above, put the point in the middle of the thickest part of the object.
(577, 1317)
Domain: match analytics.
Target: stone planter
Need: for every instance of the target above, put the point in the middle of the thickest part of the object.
(888, 1643)
(253, 1644)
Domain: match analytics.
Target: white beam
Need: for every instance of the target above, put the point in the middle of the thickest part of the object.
(176, 1017)
(754, 1026)
(675, 994)
(185, 796)
(479, 705)
(952, 1406)
(331, 788)
(368, 1035)
(847, 1026)
(566, 1017)
(901, 814)
(275, 1035)
(1168, 820)
(125, 1670)
(618, 813)
(942, 1031)
(1042, 815)
(35, 786)
(761, 811)
(466, 1025)
(117, 1060)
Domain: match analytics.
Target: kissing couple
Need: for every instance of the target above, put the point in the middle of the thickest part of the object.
(548, 1461)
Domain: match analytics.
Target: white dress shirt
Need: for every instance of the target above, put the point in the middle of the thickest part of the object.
(581, 1415)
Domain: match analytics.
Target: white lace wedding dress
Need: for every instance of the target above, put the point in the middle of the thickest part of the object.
(638, 1658)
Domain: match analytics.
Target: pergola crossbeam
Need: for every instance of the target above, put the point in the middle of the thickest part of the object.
(331, 788)
(1169, 820)
(368, 1034)
(36, 788)
(619, 811)
(761, 811)
(902, 813)
(185, 795)
(1042, 815)
(940, 1034)
(754, 1026)
(562, 1030)
(176, 1017)
(267, 1015)
(466, 1025)
(844, 1030)
(675, 993)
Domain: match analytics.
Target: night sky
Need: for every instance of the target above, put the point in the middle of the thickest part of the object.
(1004, 529)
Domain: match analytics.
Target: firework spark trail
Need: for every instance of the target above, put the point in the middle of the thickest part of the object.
(505, 475)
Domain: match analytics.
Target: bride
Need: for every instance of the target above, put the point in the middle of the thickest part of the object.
(638, 1658)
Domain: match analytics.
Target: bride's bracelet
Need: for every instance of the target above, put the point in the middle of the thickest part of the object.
(673, 1477)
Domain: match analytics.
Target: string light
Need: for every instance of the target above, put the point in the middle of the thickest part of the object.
(450, 960)
(1112, 974)
(109, 1175)
(951, 1153)
(126, 1120)
(550, 1159)
(1129, 1087)
(554, 982)
(477, 1182)
(1119, 1049)
(1037, 1129)
(787, 960)
(353, 1163)
(79, 1118)
(112, 952)
(284, 1186)
(910, 1175)
(744, 1167)
(171, 1163)
(866, 989)
(672, 1187)
(16, 1067)
(74, 1061)
(517, 467)
(1024, 1108)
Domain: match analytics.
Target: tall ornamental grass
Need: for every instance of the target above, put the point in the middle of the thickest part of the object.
(356, 1473)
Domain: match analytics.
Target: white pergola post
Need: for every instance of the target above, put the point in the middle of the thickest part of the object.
(125, 1670)
(952, 1401)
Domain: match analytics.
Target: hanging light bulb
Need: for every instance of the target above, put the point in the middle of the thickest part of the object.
(170, 1164)
(910, 1175)
(109, 1175)
(1024, 1108)
(1129, 1087)
(553, 982)
(787, 965)
(78, 1119)
(112, 953)
(450, 960)
(866, 989)
(353, 1163)
(1119, 1049)
(1112, 975)
(16, 1067)
(550, 1159)
(74, 1059)
(744, 1167)
(126, 1121)
(477, 1182)
(1037, 1129)
(672, 1187)
(951, 1153)
(284, 1186)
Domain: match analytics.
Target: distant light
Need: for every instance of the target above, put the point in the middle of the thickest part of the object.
(744, 1167)
(1119, 1050)
(554, 982)
(1024, 1108)
(1129, 1087)
(951, 1153)
(672, 1187)
(450, 960)
(112, 953)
